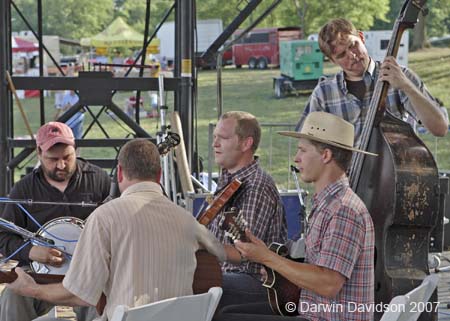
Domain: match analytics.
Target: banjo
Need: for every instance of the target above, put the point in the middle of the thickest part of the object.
(61, 233)
(64, 233)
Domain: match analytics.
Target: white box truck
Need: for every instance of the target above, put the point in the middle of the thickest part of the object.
(207, 32)
(377, 43)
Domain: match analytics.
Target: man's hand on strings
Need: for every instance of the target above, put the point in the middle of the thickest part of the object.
(392, 73)
(255, 250)
(46, 255)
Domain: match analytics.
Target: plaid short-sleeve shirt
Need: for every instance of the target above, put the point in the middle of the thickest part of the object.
(341, 238)
(261, 205)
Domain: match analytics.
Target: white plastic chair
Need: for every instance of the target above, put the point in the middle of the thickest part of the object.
(408, 307)
(199, 307)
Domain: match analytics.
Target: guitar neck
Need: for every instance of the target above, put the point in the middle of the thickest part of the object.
(11, 276)
(214, 209)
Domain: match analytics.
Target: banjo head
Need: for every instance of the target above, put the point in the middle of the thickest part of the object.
(64, 231)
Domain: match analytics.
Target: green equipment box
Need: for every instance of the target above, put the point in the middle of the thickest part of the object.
(301, 59)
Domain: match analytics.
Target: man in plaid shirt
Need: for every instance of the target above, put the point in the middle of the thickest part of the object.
(348, 93)
(236, 138)
(336, 281)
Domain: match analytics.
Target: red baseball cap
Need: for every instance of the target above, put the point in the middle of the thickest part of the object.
(53, 133)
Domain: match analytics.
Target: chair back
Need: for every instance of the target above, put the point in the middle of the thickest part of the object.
(199, 307)
(408, 307)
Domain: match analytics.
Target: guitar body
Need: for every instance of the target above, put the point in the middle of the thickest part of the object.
(207, 275)
(208, 272)
(280, 290)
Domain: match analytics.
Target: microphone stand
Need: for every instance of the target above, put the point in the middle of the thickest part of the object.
(32, 202)
(168, 177)
(301, 195)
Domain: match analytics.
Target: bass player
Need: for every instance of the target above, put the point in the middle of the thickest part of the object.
(348, 93)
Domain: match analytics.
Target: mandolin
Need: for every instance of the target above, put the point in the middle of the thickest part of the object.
(280, 290)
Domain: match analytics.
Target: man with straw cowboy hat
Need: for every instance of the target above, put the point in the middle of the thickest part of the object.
(336, 281)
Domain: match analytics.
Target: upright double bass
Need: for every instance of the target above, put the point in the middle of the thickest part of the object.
(400, 187)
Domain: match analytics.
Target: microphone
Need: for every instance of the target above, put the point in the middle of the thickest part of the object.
(113, 189)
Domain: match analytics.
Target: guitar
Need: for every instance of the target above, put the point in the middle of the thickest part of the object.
(207, 275)
(280, 290)
(214, 208)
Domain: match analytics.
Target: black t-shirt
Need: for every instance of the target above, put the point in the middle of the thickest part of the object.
(357, 88)
(89, 183)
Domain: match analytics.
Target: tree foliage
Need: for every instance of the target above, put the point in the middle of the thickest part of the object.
(81, 18)
(134, 12)
(435, 23)
(308, 14)
(71, 19)
(438, 19)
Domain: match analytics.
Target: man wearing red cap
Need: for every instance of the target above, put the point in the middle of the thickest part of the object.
(61, 177)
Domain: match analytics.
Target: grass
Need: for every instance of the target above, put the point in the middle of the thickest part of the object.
(251, 90)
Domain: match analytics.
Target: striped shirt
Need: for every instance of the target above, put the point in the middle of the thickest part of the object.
(261, 205)
(332, 96)
(137, 249)
(341, 238)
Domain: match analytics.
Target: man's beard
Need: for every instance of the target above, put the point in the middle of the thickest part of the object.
(68, 172)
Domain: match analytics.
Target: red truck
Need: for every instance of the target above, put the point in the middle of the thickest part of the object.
(259, 48)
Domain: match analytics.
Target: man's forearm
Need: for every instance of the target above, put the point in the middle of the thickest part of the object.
(233, 255)
(57, 294)
(428, 112)
(318, 279)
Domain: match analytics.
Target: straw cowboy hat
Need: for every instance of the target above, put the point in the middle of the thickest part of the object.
(329, 129)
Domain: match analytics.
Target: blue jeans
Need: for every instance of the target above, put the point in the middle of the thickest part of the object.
(76, 124)
(241, 288)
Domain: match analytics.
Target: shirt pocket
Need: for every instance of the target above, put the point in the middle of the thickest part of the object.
(313, 245)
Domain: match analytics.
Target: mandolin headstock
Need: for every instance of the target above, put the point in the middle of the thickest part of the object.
(170, 141)
(234, 224)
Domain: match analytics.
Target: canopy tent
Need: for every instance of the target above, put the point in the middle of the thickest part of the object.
(20, 45)
(117, 34)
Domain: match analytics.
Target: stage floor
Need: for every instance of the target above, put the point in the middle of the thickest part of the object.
(443, 293)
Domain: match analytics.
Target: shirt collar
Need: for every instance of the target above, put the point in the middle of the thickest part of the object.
(371, 68)
(146, 186)
(340, 76)
(243, 172)
(330, 191)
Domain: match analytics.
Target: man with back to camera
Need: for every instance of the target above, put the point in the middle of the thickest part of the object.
(347, 94)
(136, 249)
(236, 138)
(60, 177)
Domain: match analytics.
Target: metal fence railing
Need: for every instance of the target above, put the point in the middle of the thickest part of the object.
(276, 160)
